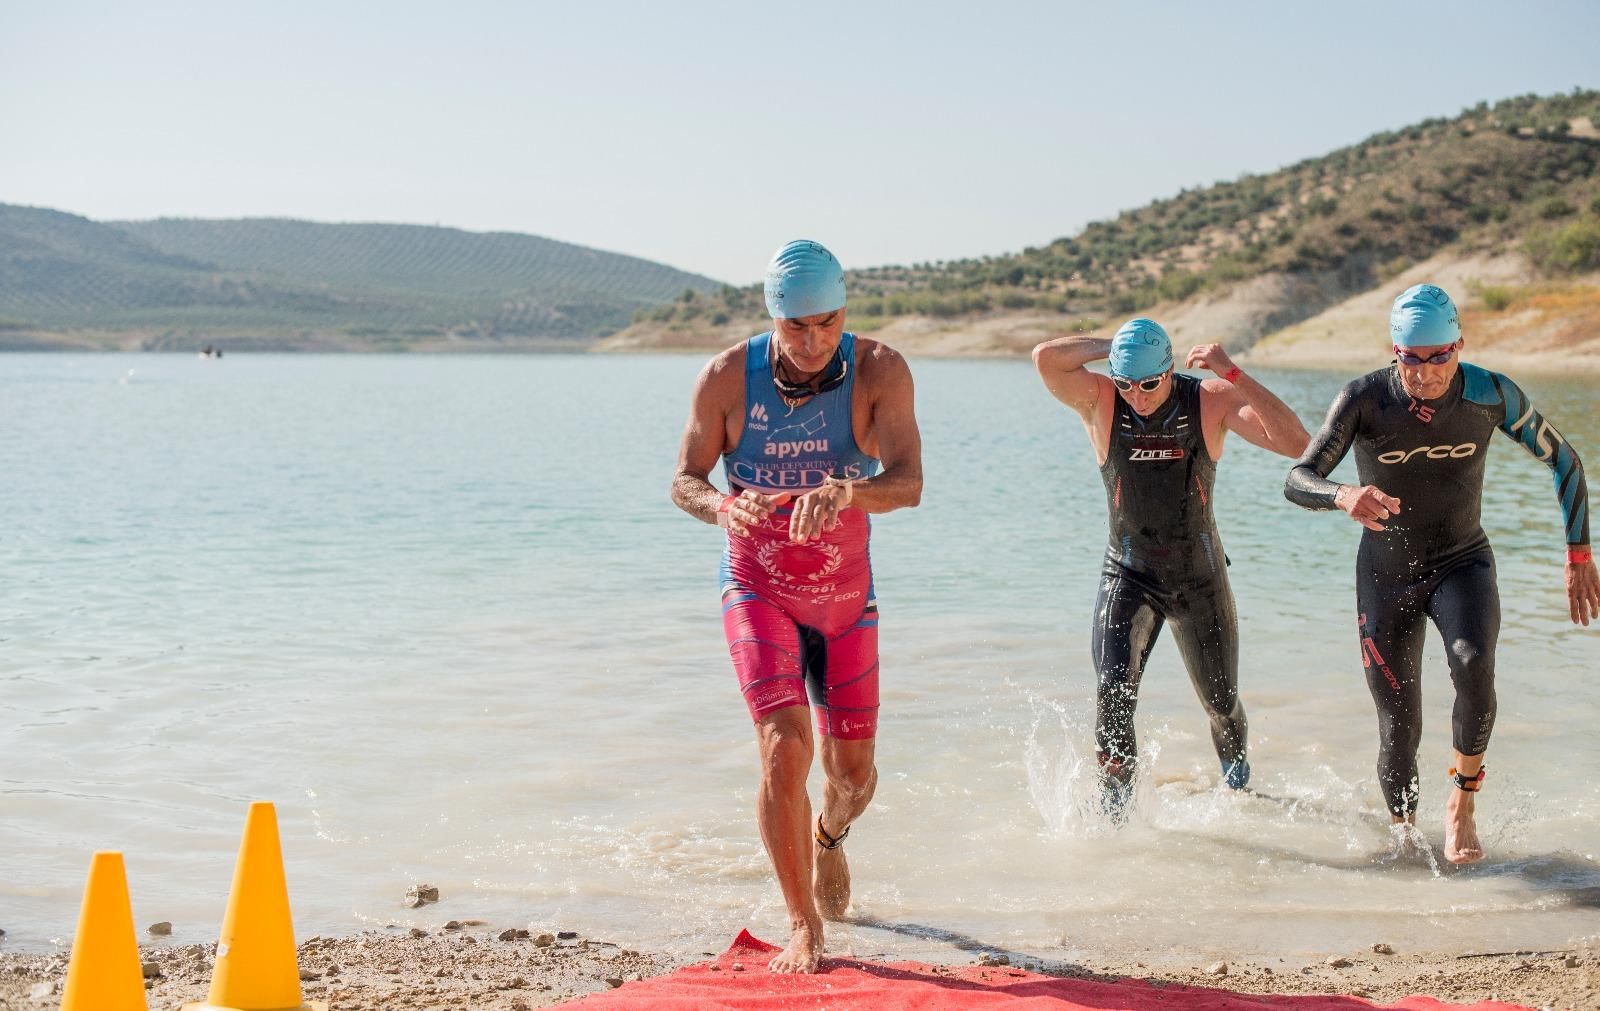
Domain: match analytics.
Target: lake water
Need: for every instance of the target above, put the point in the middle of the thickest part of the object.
(441, 611)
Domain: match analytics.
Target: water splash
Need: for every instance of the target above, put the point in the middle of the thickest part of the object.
(1064, 782)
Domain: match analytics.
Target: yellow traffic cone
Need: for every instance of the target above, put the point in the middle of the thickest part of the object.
(256, 968)
(105, 974)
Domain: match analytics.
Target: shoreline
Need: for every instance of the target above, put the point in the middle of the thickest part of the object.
(491, 968)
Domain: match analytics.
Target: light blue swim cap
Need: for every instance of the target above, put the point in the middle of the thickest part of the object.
(803, 279)
(1141, 349)
(1423, 316)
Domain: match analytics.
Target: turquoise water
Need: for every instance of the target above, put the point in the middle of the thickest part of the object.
(442, 612)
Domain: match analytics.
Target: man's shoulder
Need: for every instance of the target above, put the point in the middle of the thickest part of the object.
(1481, 386)
(725, 371)
(877, 357)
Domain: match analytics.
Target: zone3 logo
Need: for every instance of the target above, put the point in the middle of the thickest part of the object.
(1460, 452)
(1175, 453)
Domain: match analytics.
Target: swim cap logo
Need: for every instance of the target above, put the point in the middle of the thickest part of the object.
(1460, 452)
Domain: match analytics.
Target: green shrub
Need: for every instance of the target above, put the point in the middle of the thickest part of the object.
(1554, 207)
(1496, 297)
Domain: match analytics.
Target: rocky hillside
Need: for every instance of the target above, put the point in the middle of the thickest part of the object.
(1502, 201)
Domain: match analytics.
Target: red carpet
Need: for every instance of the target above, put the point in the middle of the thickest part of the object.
(846, 983)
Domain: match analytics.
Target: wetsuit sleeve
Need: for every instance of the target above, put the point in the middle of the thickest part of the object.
(1524, 424)
(1308, 483)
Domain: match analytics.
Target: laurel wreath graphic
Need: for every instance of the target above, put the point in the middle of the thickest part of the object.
(767, 557)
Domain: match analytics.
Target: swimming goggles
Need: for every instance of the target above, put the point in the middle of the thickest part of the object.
(1145, 385)
(1437, 358)
(831, 377)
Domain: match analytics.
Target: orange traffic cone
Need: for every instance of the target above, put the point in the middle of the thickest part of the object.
(256, 967)
(105, 974)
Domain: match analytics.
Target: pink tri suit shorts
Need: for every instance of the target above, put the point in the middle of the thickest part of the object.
(802, 623)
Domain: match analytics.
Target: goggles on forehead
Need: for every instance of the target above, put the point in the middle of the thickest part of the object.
(1437, 358)
(1145, 385)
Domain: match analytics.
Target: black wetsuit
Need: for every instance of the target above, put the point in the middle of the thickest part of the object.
(1432, 559)
(1165, 565)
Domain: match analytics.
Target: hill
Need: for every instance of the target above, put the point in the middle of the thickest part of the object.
(67, 281)
(1515, 184)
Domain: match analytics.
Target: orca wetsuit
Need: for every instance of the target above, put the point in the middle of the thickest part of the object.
(801, 619)
(1432, 560)
(1165, 565)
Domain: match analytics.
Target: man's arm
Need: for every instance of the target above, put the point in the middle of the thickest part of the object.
(1249, 408)
(1061, 365)
(898, 483)
(718, 389)
(1308, 483)
(1533, 433)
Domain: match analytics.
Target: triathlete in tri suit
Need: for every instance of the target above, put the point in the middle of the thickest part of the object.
(1157, 436)
(801, 417)
(1421, 431)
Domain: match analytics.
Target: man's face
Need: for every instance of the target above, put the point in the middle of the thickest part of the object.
(1424, 380)
(1143, 402)
(809, 341)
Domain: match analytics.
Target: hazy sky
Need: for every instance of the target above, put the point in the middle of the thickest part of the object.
(704, 135)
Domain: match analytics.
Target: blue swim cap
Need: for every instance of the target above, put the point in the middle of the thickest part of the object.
(803, 279)
(1141, 349)
(1423, 316)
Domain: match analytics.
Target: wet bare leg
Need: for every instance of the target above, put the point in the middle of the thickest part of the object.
(852, 778)
(1461, 845)
(784, 812)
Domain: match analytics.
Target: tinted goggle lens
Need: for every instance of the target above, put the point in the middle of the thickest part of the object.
(1437, 358)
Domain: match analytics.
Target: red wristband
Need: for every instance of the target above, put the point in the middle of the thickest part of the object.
(1579, 554)
(1234, 374)
(722, 509)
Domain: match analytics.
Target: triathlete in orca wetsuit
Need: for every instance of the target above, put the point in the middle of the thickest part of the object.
(1158, 436)
(1421, 429)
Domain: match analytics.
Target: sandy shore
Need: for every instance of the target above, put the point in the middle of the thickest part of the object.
(491, 969)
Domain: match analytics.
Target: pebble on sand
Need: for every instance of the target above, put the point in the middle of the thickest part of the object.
(1338, 962)
(1217, 969)
(1382, 949)
(418, 896)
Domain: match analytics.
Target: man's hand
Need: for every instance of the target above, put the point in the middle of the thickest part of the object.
(818, 511)
(1583, 592)
(1366, 504)
(1209, 356)
(751, 509)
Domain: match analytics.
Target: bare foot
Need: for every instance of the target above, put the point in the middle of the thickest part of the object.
(1461, 845)
(1407, 840)
(804, 950)
(830, 882)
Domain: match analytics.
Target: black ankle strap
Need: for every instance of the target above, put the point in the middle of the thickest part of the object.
(1471, 784)
(829, 842)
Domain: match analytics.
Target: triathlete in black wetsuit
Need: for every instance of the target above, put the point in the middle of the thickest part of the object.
(1158, 436)
(1421, 431)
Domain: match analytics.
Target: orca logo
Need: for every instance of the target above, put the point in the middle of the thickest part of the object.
(1460, 452)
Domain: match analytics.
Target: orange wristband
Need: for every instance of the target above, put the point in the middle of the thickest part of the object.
(1579, 554)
